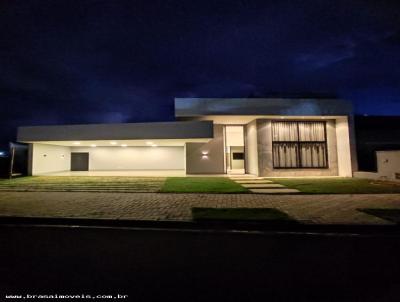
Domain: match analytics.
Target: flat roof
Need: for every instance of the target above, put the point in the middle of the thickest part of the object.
(128, 131)
(191, 107)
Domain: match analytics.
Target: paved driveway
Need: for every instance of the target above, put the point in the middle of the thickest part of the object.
(329, 209)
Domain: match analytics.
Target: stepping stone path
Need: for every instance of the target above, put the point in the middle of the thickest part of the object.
(262, 186)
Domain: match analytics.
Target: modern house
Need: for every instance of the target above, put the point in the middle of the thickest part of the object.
(259, 136)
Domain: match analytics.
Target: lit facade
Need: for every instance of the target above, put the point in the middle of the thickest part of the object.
(264, 137)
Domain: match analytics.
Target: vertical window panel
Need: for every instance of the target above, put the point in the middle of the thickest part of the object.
(311, 131)
(285, 155)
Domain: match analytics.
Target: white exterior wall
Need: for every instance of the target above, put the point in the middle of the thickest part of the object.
(343, 147)
(50, 158)
(388, 165)
(134, 158)
(251, 148)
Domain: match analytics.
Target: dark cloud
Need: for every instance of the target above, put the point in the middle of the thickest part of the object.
(124, 61)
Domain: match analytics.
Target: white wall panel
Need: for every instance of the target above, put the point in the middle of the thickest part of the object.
(50, 158)
(134, 158)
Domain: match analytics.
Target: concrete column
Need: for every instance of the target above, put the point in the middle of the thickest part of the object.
(343, 147)
(251, 149)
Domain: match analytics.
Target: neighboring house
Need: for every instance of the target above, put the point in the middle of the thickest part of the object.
(265, 137)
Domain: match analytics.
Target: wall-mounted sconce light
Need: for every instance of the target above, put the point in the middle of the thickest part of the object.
(204, 155)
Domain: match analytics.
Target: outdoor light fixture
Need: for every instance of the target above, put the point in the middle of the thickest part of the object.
(113, 143)
(77, 143)
(204, 152)
(93, 146)
(124, 145)
(1, 153)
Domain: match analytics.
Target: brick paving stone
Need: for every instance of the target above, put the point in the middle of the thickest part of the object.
(327, 209)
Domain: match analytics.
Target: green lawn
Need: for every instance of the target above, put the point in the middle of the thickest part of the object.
(338, 185)
(201, 185)
(241, 214)
(387, 214)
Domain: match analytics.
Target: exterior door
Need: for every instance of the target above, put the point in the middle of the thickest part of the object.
(79, 161)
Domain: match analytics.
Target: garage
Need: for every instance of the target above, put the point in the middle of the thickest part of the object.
(131, 149)
(134, 158)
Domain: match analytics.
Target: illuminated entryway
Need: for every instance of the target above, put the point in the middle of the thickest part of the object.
(234, 149)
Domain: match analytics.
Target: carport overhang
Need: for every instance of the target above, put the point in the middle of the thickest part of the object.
(129, 133)
(51, 147)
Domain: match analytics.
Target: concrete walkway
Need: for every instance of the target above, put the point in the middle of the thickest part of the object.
(262, 185)
(326, 209)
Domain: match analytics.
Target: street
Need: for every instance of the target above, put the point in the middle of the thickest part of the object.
(151, 264)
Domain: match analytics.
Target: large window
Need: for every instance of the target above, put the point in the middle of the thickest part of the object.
(299, 145)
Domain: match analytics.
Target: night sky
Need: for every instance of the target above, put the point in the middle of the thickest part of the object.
(125, 61)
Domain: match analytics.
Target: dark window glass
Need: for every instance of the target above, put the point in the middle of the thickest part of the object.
(299, 145)
(237, 155)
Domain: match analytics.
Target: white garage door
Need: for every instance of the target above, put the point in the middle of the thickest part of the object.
(135, 158)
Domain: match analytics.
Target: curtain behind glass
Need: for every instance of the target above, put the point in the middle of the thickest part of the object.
(298, 144)
(313, 155)
(284, 131)
(285, 155)
(309, 132)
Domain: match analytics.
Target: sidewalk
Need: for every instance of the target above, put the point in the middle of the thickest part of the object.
(310, 209)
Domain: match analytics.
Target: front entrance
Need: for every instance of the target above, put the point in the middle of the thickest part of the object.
(234, 149)
(80, 161)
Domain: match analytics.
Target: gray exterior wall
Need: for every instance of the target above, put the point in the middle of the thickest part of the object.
(192, 107)
(168, 130)
(214, 162)
(265, 163)
(30, 159)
